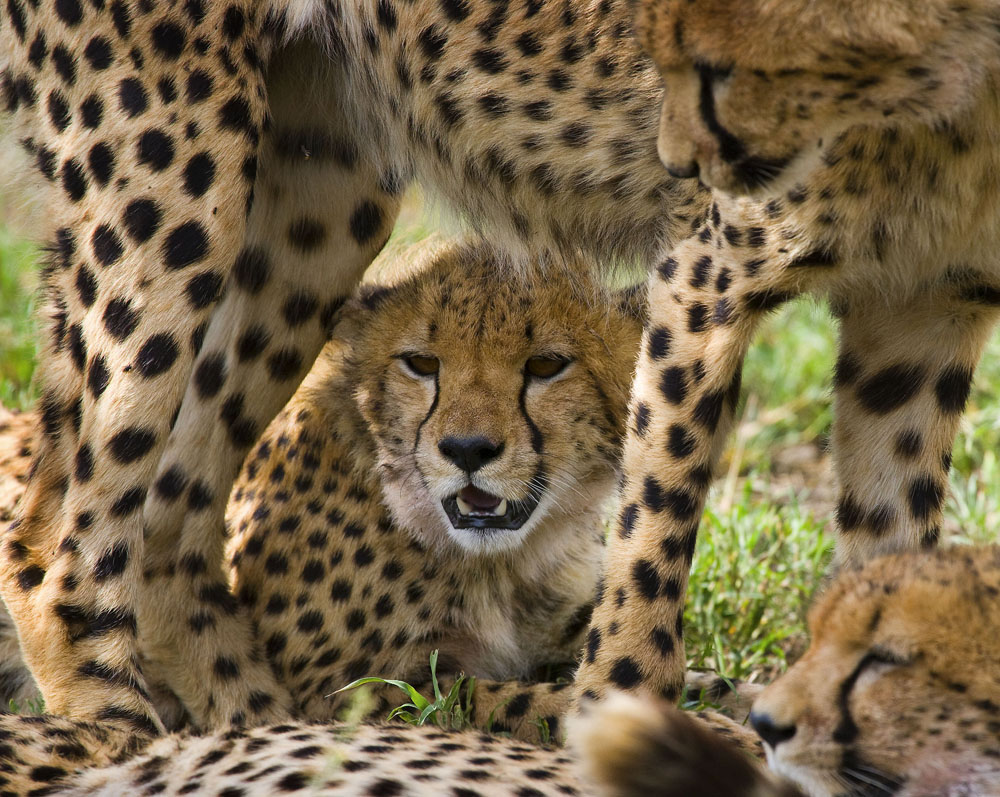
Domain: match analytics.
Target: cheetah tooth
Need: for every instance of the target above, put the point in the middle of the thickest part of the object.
(463, 507)
(501, 508)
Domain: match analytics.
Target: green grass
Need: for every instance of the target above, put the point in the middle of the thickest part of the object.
(450, 711)
(756, 567)
(17, 324)
(765, 542)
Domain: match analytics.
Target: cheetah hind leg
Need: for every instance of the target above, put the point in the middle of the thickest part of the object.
(902, 379)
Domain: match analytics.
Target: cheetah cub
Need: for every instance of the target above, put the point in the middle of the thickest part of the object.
(439, 482)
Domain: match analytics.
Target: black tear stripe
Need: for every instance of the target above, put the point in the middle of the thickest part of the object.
(537, 439)
(731, 149)
(863, 779)
(847, 730)
(427, 417)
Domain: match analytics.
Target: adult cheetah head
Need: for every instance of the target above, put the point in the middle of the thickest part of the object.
(899, 692)
(496, 395)
(757, 90)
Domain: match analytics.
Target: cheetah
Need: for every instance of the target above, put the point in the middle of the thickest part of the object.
(217, 178)
(851, 153)
(439, 482)
(220, 175)
(297, 758)
(897, 694)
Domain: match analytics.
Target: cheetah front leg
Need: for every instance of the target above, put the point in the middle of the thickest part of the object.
(321, 215)
(147, 222)
(705, 302)
(902, 379)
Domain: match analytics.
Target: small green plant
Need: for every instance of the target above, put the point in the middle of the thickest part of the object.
(448, 711)
(544, 732)
(698, 702)
(492, 718)
(34, 706)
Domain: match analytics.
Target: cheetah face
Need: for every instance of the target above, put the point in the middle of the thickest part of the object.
(757, 91)
(486, 490)
(494, 400)
(899, 691)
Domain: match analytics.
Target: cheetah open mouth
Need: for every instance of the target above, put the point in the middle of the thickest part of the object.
(472, 508)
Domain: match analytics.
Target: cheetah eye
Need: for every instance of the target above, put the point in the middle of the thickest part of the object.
(421, 364)
(874, 664)
(884, 656)
(546, 367)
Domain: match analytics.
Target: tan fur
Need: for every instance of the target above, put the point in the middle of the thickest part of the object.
(340, 539)
(802, 73)
(287, 220)
(342, 551)
(323, 759)
(632, 746)
(917, 635)
(17, 437)
(898, 694)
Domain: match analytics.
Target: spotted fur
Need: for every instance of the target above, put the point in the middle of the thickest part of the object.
(218, 176)
(342, 552)
(292, 758)
(897, 694)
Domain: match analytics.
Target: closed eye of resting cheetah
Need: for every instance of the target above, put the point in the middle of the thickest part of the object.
(897, 694)
(221, 174)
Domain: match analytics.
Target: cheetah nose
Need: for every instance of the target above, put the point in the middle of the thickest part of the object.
(469, 453)
(770, 731)
(684, 172)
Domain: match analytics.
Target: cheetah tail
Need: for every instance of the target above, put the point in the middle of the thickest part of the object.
(632, 747)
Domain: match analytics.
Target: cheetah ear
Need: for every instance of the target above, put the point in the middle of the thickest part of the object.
(631, 302)
(349, 321)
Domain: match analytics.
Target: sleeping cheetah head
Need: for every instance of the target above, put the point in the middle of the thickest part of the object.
(496, 396)
(757, 90)
(899, 692)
